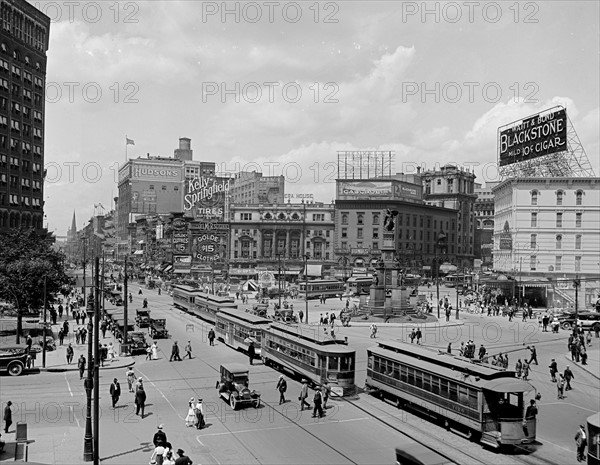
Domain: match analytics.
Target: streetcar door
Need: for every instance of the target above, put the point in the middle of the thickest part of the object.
(322, 367)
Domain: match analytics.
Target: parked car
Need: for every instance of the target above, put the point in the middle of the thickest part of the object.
(142, 318)
(233, 386)
(37, 347)
(158, 328)
(567, 320)
(13, 360)
(137, 342)
(588, 320)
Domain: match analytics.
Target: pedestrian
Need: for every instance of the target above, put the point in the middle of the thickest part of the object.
(140, 400)
(281, 387)
(130, 298)
(317, 400)
(154, 349)
(28, 343)
(568, 375)
(115, 392)
(251, 352)
(83, 335)
(76, 315)
(70, 354)
(158, 455)
(60, 311)
(482, 352)
(581, 443)
(583, 354)
(449, 349)
(175, 353)
(412, 336)
(188, 350)
(560, 384)
(103, 327)
(531, 411)
(419, 335)
(140, 292)
(7, 417)
(130, 378)
(525, 370)
(159, 291)
(190, 418)
(553, 370)
(325, 391)
(300, 316)
(303, 395)
(199, 412)
(81, 365)
(61, 336)
(145, 303)
(211, 337)
(182, 459)
(533, 355)
(82, 317)
(160, 438)
(78, 336)
(373, 330)
(589, 337)
(138, 384)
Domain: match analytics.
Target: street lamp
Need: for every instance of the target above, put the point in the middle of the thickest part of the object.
(438, 243)
(279, 278)
(88, 440)
(306, 257)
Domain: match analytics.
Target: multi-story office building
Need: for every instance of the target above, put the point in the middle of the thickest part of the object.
(253, 188)
(484, 225)
(452, 187)
(23, 47)
(549, 228)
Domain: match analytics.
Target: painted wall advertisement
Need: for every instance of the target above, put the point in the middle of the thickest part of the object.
(532, 137)
(364, 189)
(205, 197)
(209, 244)
(182, 263)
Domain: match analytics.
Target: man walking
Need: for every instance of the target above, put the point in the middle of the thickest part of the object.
(304, 395)
(140, 400)
(251, 352)
(160, 438)
(533, 355)
(81, 365)
(175, 353)
(130, 378)
(318, 399)
(553, 370)
(188, 350)
(70, 354)
(7, 417)
(115, 392)
(281, 387)
(325, 391)
(211, 337)
(581, 442)
(568, 375)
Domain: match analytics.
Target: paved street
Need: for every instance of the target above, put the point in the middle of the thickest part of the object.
(358, 430)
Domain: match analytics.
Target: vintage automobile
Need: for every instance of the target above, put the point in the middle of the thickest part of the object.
(13, 360)
(158, 328)
(285, 316)
(258, 310)
(137, 342)
(142, 318)
(233, 386)
(38, 346)
(116, 298)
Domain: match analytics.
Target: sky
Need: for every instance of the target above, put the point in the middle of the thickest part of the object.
(281, 87)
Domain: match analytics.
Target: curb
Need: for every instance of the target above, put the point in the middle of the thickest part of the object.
(381, 325)
(583, 367)
(63, 368)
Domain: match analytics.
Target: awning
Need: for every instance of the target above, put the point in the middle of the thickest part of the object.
(168, 268)
(314, 270)
(182, 271)
(508, 385)
(138, 252)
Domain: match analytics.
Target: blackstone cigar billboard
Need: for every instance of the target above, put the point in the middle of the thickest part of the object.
(538, 135)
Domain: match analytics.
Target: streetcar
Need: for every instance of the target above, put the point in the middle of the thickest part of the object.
(593, 452)
(452, 280)
(206, 306)
(237, 329)
(357, 284)
(320, 287)
(482, 402)
(304, 351)
(184, 296)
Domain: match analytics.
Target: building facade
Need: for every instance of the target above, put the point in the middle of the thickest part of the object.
(547, 229)
(23, 47)
(484, 225)
(253, 188)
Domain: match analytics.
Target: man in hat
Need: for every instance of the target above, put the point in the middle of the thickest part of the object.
(160, 438)
(281, 387)
(7, 416)
(138, 384)
(553, 370)
(140, 400)
(81, 365)
(581, 442)
(175, 353)
(304, 395)
(182, 459)
(115, 392)
(188, 350)
(568, 375)
(130, 378)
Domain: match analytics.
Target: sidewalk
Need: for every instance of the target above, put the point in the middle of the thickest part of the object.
(593, 361)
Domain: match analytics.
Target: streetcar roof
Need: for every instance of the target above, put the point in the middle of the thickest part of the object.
(247, 317)
(186, 288)
(594, 420)
(309, 337)
(507, 385)
(441, 362)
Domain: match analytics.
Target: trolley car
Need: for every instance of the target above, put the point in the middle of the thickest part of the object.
(357, 284)
(483, 402)
(320, 287)
(237, 328)
(184, 296)
(304, 352)
(206, 306)
(593, 426)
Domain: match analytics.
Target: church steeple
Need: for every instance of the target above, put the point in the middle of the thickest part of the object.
(73, 223)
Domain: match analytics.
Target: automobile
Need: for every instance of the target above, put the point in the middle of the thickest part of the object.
(285, 315)
(13, 360)
(137, 342)
(158, 328)
(142, 318)
(37, 347)
(567, 320)
(588, 320)
(233, 386)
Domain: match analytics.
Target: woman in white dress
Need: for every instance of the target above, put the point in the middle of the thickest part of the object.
(190, 419)
(111, 351)
(154, 351)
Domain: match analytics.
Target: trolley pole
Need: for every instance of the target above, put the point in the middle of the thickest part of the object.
(96, 337)
(306, 285)
(44, 330)
(279, 279)
(125, 303)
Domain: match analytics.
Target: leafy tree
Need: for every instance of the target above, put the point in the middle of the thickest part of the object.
(27, 259)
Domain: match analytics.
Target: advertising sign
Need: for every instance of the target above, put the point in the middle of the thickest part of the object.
(266, 278)
(506, 238)
(182, 263)
(365, 189)
(156, 172)
(206, 196)
(535, 136)
(406, 190)
(209, 245)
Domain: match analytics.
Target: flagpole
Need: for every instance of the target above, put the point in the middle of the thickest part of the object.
(125, 148)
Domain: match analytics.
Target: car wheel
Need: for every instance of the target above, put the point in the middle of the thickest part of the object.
(233, 402)
(566, 325)
(15, 369)
(257, 403)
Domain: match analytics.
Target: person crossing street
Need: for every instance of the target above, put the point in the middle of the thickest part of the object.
(281, 387)
(115, 392)
(175, 353)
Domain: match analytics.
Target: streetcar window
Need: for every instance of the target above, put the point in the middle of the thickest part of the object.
(370, 362)
(473, 403)
(453, 392)
(396, 371)
(332, 363)
(426, 382)
(444, 387)
(418, 379)
(403, 374)
(435, 384)
(344, 363)
(463, 395)
(377, 367)
(411, 376)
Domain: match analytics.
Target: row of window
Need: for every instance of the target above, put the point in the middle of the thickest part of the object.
(559, 220)
(292, 350)
(15, 200)
(558, 243)
(558, 263)
(16, 162)
(26, 147)
(28, 77)
(23, 28)
(309, 232)
(16, 219)
(559, 197)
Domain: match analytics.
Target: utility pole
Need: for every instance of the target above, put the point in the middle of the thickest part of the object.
(279, 278)
(84, 266)
(44, 329)
(576, 284)
(306, 284)
(96, 338)
(125, 304)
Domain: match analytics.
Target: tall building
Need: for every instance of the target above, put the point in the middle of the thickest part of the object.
(547, 233)
(23, 46)
(253, 188)
(484, 225)
(454, 188)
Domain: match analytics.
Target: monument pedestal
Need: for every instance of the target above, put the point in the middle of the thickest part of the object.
(377, 300)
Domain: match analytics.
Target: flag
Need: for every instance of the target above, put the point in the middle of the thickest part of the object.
(129, 141)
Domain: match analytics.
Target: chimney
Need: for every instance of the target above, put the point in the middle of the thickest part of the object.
(418, 170)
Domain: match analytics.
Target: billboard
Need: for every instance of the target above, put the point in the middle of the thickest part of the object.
(538, 135)
(206, 197)
(209, 244)
(364, 189)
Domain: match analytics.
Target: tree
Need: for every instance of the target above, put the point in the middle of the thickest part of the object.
(26, 261)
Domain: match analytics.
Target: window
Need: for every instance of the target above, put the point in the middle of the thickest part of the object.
(578, 217)
(558, 242)
(578, 197)
(375, 233)
(533, 242)
(578, 241)
(359, 218)
(532, 262)
(246, 216)
(318, 217)
(344, 218)
(359, 233)
(344, 232)
(534, 220)
(151, 187)
(559, 220)
(559, 198)
(375, 218)
(577, 263)
(558, 263)
(375, 246)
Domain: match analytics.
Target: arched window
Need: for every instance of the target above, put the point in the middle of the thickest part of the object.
(559, 197)
(558, 242)
(578, 198)
(281, 216)
(344, 219)
(359, 219)
(534, 197)
(268, 216)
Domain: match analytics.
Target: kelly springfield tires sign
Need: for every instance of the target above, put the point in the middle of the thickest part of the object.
(535, 136)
